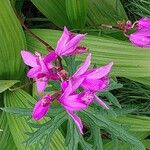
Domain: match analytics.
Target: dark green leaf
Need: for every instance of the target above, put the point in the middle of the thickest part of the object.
(77, 13)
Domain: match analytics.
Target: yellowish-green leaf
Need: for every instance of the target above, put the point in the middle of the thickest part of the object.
(12, 40)
(77, 13)
(19, 125)
(5, 84)
(6, 142)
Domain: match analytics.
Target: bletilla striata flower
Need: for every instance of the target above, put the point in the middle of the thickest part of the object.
(141, 38)
(41, 107)
(143, 23)
(41, 69)
(91, 81)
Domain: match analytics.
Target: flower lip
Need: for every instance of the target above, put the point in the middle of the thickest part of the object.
(47, 100)
(88, 97)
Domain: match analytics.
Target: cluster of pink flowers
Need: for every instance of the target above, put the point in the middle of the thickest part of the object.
(141, 37)
(90, 81)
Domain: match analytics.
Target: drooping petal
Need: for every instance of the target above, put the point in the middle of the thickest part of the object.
(101, 102)
(29, 59)
(77, 120)
(41, 84)
(83, 68)
(32, 73)
(99, 72)
(41, 107)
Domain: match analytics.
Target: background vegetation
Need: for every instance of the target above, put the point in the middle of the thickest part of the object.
(125, 126)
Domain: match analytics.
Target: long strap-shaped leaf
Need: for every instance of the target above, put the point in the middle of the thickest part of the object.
(77, 12)
(12, 40)
(54, 10)
(19, 125)
(105, 11)
(129, 61)
(6, 142)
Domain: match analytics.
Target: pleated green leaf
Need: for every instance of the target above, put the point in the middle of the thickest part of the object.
(6, 142)
(12, 41)
(101, 12)
(129, 61)
(19, 125)
(5, 84)
(137, 123)
(54, 10)
(77, 12)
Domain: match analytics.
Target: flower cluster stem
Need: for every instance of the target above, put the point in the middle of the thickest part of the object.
(22, 86)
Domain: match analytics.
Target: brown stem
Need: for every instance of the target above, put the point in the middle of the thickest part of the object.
(60, 63)
(56, 95)
(34, 35)
(22, 86)
(48, 47)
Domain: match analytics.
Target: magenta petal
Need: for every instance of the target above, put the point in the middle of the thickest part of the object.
(50, 57)
(78, 50)
(100, 72)
(73, 103)
(39, 111)
(41, 84)
(67, 91)
(141, 38)
(72, 44)
(77, 120)
(62, 41)
(76, 83)
(144, 23)
(32, 73)
(95, 85)
(101, 102)
(64, 85)
(83, 68)
(29, 59)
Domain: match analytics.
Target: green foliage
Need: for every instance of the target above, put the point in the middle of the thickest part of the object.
(77, 13)
(115, 129)
(6, 141)
(137, 8)
(12, 41)
(5, 84)
(105, 12)
(54, 10)
(19, 125)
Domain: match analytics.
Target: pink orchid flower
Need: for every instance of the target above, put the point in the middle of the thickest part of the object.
(68, 44)
(41, 107)
(91, 81)
(41, 69)
(94, 79)
(141, 38)
(143, 23)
